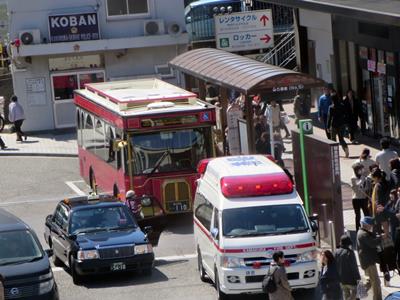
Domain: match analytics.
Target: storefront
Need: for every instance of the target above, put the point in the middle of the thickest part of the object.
(368, 63)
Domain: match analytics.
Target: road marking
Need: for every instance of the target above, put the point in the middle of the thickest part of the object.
(162, 258)
(73, 187)
(30, 201)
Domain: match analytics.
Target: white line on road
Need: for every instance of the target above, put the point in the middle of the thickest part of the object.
(73, 187)
(163, 258)
(30, 201)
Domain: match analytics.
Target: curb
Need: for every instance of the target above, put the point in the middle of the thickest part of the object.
(38, 154)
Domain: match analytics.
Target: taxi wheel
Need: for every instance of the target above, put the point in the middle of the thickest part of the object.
(200, 267)
(220, 295)
(76, 278)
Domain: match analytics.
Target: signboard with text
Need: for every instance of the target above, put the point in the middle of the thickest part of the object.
(75, 27)
(244, 30)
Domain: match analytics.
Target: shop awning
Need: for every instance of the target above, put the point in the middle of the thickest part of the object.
(240, 73)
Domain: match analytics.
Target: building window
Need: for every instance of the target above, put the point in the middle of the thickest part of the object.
(64, 86)
(127, 7)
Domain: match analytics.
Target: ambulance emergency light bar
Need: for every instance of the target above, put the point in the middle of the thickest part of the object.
(256, 185)
(252, 185)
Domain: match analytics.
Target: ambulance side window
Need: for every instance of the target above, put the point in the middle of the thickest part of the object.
(216, 222)
(203, 211)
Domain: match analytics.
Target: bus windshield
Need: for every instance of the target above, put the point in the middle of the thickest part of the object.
(169, 151)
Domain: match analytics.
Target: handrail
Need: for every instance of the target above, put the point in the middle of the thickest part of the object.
(289, 37)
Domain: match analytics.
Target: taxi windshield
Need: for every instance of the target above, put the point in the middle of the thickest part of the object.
(101, 219)
(168, 151)
(264, 220)
(18, 247)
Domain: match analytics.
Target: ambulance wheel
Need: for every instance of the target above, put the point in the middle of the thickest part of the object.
(200, 266)
(220, 294)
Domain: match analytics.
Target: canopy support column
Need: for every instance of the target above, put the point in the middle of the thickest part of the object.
(248, 102)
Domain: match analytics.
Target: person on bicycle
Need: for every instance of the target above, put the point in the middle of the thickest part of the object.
(134, 203)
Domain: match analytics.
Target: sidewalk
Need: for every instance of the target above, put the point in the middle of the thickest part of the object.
(346, 174)
(61, 144)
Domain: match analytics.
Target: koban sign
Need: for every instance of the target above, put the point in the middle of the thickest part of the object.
(76, 27)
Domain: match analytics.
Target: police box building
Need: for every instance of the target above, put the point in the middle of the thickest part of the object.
(57, 46)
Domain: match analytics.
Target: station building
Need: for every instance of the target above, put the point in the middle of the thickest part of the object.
(354, 44)
(57, 46)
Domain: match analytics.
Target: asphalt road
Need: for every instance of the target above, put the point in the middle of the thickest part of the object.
(30, 188)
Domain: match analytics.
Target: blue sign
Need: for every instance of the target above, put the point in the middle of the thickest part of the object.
(72, 28)
(241, 161)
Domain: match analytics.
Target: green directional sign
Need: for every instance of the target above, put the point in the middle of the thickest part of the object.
(306, 127)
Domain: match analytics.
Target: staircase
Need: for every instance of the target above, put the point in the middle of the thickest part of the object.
(283, 54)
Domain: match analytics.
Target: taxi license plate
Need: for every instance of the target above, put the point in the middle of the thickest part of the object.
(118, 266)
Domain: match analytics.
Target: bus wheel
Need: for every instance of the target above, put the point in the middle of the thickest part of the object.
(92, 182)
(115, 190)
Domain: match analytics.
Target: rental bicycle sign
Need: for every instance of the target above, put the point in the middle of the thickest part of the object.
(244, 31)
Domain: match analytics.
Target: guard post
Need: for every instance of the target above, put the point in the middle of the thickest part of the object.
(305, 127)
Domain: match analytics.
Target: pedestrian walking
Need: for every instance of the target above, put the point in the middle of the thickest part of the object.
(324, 103)
(367, 245)
(284, 119)
(302, 106)
(395, 173)
(347, 268)
(2, 294)
(263, 145)
(277, 269)
(380, 197)
(336, 122)
(383, 157)
(2, 144)
(273, 114)
(366, 161)
(353, 112)
(329, 280)
(359, 193)
(16, 115)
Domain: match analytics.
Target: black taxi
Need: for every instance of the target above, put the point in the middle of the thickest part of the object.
(97, 234)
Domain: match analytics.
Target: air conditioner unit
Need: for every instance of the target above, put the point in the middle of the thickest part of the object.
(154, 27)
(29, 36)
(174, 29)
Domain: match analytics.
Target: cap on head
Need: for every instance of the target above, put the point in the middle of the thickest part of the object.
(14, 98)
(130, 194)
(367, 221)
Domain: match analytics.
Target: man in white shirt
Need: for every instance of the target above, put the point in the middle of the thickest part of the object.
(383, 157)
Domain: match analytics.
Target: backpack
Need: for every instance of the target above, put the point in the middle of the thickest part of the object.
(268, 283)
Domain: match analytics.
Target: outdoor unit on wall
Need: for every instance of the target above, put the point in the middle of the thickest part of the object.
(154, 27)
(29, 36)
(174, 29)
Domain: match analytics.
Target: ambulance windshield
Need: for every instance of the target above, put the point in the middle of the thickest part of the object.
(264, 220)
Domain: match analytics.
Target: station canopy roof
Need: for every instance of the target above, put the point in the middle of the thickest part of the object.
(240, 73)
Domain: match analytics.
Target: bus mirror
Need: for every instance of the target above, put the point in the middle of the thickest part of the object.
(119, 144)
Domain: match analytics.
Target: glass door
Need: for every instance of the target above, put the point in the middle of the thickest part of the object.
(63, 86)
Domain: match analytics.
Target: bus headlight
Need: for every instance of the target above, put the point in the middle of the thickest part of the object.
(232, 262)
(146, 201)
(307, 256)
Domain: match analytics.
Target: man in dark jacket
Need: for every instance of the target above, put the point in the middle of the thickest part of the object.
(346, 265)
(337, 122)
(367, 245)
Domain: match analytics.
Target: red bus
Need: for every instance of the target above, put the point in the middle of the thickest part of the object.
(144, 135)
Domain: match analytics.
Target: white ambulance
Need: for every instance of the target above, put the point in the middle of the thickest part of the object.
(246, 209)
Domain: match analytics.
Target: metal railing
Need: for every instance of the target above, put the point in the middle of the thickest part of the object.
(284, 52)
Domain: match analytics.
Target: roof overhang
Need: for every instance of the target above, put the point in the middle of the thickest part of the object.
(239, 73)
(382, 11)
